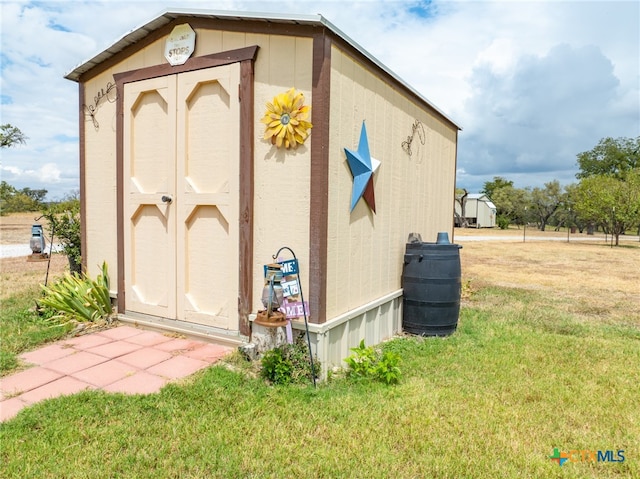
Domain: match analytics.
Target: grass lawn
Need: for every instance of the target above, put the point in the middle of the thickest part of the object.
(21, 329)
(533, 366)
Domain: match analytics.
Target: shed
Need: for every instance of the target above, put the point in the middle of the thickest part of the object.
(186, 201)
(479, 211)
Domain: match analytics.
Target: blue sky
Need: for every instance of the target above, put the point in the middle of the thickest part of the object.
(532, 83)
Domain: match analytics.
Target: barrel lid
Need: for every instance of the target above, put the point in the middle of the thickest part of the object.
(432, 246)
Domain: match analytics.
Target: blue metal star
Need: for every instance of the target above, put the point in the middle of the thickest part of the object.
(361, 168)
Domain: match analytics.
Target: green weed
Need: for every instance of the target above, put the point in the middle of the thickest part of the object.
(369, 363)
(288, 364)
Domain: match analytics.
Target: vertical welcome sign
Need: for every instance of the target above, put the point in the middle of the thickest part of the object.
(293, 306)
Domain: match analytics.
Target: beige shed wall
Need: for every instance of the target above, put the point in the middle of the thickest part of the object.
(282, 177)
(281, 195)
(413, 193)
(100, 196)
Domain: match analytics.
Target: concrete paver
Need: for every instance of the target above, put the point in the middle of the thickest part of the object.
(47, 354)
(75, 362)
(177, 367)
(88, 341)
(145, 358)
(105, 373)
(149, 338)
(177, 345)
(60, 387)
(122, 359)
(139, 383)
(207, 352)
(28, 380)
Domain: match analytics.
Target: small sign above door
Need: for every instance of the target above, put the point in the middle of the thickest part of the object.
(180, 44)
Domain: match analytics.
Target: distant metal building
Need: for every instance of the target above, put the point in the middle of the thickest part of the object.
(479, 212)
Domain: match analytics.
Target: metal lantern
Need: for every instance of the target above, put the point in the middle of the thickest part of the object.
(37, 242)
(272, 298)
(272, 294)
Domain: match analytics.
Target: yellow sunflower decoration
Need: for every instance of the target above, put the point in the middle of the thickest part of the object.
(286, 120)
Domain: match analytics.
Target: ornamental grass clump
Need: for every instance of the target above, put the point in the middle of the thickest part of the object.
(76, 297)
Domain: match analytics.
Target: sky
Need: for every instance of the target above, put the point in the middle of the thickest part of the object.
(532, 84)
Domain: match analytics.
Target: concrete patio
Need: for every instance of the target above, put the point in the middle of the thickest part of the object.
(123, 359)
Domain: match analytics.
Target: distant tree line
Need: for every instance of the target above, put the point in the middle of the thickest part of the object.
(607, 196)
(13, 200)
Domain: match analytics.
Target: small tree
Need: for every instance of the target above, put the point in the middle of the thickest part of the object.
(610, 156)
(612, 203)
(512, 204)
(461, 199)
(491, 186)
(64, 219)
(545, 201)
(10, 136)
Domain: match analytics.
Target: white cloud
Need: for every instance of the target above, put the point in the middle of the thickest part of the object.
(47, 173)
(537, 116)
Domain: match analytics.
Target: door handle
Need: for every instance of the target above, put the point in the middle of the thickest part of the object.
(167, 199)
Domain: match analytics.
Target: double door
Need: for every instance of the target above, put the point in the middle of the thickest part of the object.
(181, 187)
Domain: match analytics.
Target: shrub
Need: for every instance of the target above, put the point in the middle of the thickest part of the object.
(64, 219)
(369, 363)
(76, 297)
(503, 222)
(288, 364)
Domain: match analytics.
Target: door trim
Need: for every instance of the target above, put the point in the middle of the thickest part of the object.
(246, 57)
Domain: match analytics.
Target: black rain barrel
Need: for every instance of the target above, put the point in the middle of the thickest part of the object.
(431, 279)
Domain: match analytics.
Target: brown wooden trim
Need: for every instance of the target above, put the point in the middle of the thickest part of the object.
(455, 168)
(246, 57)
(196, 63)
(319, 188)
(121, 303)
(83, 184)
(245, 288)
(248, 25)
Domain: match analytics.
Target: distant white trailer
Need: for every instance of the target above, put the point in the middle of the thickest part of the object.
(479, 211)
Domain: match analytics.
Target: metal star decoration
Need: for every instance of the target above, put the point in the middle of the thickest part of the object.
(362, 168)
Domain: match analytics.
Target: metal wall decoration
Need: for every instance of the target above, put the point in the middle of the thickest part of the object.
(110, 93)
(362, 167)
(286, 120)
(416, 129)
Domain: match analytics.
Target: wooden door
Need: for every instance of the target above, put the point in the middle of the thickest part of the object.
(208, 153)
(150, 223)
(181, 159)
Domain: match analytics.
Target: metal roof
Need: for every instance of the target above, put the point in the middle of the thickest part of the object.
(167, 16)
